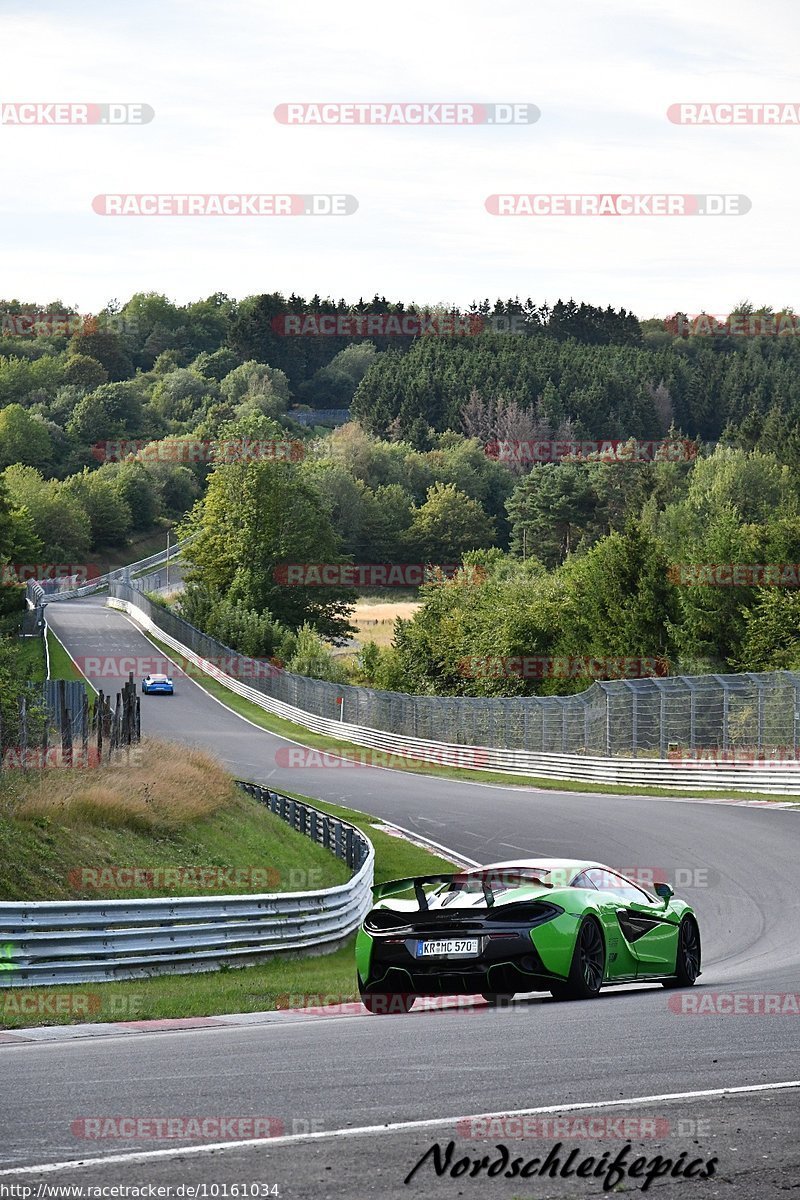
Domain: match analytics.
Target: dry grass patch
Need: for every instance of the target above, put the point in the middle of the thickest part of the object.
(375, 620)
(161, 788)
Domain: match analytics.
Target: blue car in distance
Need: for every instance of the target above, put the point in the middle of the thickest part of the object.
(151, 684)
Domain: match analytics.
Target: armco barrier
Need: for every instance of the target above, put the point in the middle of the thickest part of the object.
(778, 779)
(88, 941)
(38, 591)
(612, 718)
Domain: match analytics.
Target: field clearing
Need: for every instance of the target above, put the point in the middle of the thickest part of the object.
(375, 619)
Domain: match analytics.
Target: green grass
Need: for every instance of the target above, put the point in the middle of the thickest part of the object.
(141, 545)
(278, 983)
(319, 741)
(42, 858)
(62, 666)
(282, 981)
(28, 659)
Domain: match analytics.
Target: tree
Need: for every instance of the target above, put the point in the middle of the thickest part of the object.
(617, 599)
(549, 509)
(771, 640)
(18, 539)
(58, 518)
(84, 372)
(313, 659)
(23, 438)
(138, 489)
(177, 486)
(216, 365)
(254, 519)
(21, 378)
(712, 618)
(255, 387)
(108, 512)
(447, 525)
(112, 411)
(179, 395)
(106, 347)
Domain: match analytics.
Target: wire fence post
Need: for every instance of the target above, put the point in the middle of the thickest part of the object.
(23, 731)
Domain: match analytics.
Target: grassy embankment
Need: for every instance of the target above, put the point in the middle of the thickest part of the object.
(66, 833)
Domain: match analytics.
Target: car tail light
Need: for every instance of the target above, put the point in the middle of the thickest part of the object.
(525, 912)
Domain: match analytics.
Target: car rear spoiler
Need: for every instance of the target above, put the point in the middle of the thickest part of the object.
(393, 887)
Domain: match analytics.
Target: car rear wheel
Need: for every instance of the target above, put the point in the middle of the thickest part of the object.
(687, 959)
(383, 1003)
(588, 967)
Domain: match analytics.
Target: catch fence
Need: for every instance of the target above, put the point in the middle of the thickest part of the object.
(753, 714)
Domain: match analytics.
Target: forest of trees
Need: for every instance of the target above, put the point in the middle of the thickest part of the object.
(575, 555)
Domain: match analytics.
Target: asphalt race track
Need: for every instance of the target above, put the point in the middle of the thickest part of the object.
(353, 1093)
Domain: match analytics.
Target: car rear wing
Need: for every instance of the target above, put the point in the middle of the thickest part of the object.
(510, 877)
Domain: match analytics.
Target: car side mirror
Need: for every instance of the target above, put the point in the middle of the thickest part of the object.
(665, 892)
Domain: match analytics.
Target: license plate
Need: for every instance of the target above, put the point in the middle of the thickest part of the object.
(447, 946)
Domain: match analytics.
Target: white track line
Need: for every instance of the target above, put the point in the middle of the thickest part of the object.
(397, 1127)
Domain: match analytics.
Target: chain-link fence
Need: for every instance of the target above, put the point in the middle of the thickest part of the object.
(649, 717)
(75, 586)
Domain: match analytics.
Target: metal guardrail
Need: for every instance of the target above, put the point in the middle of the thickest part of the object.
(89, 941)
(39, 591)
(779, 778)
(613, 718)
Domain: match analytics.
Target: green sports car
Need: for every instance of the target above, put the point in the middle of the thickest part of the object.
(565, 926)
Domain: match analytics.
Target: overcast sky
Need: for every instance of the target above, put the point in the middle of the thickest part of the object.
(603, 74)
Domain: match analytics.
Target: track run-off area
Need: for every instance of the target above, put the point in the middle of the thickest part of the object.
(361, 1099)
